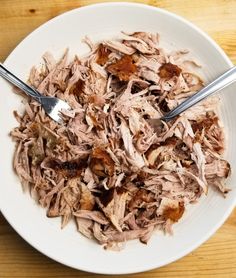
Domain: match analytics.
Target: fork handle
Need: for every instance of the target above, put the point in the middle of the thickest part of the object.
(219, 83)
(5, 73)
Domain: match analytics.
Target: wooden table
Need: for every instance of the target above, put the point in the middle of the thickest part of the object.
(217, 257)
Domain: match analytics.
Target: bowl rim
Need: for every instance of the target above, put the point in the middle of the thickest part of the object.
(186, 251)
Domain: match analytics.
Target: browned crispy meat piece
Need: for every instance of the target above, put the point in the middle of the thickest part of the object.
(69, 169)
(77, 88)
(103, 53)
(123, 68)
(174, 214)
(101, 163)
(169, 70)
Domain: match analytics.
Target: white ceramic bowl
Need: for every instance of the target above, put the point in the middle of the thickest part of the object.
(29, 220)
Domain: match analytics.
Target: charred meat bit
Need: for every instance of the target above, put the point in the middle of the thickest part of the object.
(101, 163)
(175, 213)
(123, 68)
(106, 196)
(164, 106)
(206, 123)
(141, 177)
(169, 70)
(77, 88)
(69, 169)
(103, 55)
(171, 141)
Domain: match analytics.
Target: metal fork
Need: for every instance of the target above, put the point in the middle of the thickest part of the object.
(216, 85)
(52, 105)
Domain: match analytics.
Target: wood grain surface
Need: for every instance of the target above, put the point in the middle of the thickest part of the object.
(215, 258)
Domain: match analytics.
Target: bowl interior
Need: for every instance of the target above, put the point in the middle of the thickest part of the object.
(29, 220)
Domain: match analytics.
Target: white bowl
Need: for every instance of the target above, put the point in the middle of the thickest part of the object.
(67, 246)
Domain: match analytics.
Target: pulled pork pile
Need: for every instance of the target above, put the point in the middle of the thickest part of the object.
(106, 167)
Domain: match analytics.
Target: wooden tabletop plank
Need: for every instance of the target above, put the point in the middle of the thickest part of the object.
(217, 257)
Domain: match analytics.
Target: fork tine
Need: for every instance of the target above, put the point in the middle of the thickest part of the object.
(53, 107)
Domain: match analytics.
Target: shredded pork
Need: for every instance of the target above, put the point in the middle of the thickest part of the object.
(106, 167)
